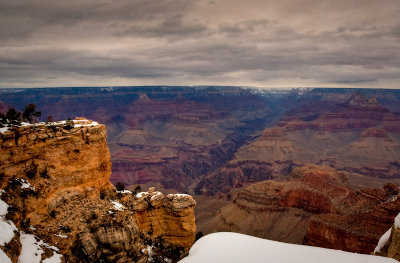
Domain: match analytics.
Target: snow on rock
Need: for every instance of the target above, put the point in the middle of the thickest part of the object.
(142, 194)
(124, 192)
(148, 251)
(383, 241)
(180, 195)
(79, 122)
(25, 184)
(4, 258)
(4, 129)
(156, 195)
(32, 250)
(397, 222)
(7, 227)
(232, 247)
(59, 235)
(117, 206)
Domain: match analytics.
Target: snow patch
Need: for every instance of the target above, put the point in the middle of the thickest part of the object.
(4, 258)
(59, 235)
(383, 241)
(155, 195)
(124, 192)
(117, 206)
(3, 208)
(181, 195)
(7, 227)
(141, 194)
(149, 251)
(25, 184)
(234, 248)
(77, 124)
(32, 250)
(397, 222)
(4, 129)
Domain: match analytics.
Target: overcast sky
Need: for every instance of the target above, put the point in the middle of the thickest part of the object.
(285, 43)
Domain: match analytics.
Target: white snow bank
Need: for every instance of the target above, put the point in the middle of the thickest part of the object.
(4, 258)
(232, 247)
(7, 227)
(397, 222)
(383, 241)
(117, 206)
(32, 252)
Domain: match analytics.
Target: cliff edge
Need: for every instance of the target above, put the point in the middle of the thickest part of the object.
(56, 190)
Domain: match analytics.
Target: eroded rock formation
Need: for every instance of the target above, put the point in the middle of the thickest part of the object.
(55, 180)
(314, 206)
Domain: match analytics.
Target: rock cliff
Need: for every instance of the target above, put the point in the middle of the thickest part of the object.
(55, 181)
(315, 206)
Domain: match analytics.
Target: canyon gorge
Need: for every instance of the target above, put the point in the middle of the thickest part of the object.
(305, 166)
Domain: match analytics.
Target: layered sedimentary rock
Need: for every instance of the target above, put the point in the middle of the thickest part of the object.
(315, 206)
(168, 135)
(55, 180)
(355, 134)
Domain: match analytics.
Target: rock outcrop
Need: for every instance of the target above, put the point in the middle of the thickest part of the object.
(389, 243)
(55, 180)
(315, 206)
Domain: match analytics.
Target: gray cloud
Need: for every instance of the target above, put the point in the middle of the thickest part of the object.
(137, 42)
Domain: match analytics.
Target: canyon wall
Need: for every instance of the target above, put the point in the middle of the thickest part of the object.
(55, 181)
(315, 206)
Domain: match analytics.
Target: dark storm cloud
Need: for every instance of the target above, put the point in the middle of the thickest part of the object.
(304, 42)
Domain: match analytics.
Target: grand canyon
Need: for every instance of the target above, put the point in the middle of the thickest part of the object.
(313, 166)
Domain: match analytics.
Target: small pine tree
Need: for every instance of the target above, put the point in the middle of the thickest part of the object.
(13, 117)
(30, 112)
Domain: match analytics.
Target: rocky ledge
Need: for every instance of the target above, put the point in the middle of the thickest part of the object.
(55, 192)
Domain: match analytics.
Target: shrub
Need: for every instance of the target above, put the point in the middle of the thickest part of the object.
(120, 186)
(69, 124)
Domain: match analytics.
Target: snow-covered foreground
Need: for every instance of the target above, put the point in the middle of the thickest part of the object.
(232, 247)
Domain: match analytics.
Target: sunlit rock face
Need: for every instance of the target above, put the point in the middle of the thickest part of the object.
(56, 181)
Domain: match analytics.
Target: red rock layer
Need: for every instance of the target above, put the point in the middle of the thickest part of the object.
(340, 217)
